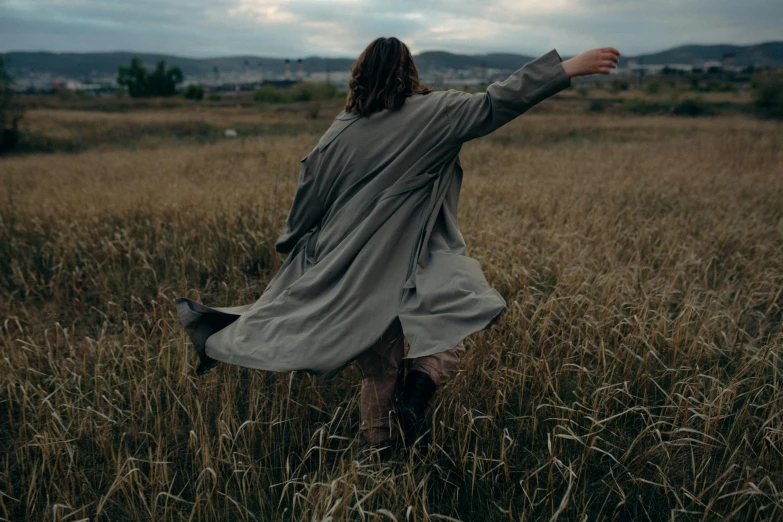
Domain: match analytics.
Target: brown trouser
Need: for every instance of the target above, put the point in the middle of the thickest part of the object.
(381, 366)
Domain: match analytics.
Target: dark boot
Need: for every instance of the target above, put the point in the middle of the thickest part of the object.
(205, 364)
(199, 326)
(416, 395)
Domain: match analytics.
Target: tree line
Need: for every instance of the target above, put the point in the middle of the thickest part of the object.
(10, 113)
(141, 83)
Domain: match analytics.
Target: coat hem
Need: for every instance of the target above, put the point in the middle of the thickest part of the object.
(447, 345)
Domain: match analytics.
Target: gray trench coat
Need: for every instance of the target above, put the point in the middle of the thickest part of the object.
(372, 236)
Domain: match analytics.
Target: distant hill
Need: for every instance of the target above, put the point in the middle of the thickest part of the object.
(767, 54)
(429, 60)
(86, 64)
(78, 65)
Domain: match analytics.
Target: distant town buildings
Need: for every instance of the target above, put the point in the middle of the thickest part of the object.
(242, 79)
(236, 80)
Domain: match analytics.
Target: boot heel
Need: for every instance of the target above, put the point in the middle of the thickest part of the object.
(416, 394)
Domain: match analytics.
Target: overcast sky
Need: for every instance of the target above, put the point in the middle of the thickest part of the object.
(297, 28)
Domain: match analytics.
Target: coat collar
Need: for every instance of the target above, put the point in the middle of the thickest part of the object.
(342, 122)
(347, 116)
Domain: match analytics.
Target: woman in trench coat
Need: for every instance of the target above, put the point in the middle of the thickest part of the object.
(374, 252)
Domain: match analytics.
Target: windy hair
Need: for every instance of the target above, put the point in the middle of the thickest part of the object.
(382, 77)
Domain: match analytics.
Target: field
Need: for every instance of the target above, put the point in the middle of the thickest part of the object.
(636, 374)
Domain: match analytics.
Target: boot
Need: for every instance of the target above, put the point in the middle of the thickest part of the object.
(416, 395)
(205, 364)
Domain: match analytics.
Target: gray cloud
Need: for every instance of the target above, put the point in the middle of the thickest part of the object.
(343, 27)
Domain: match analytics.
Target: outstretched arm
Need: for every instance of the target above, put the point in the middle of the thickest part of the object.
(475, 115)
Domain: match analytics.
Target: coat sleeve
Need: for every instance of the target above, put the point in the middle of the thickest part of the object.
(306, 211)
(475, 115)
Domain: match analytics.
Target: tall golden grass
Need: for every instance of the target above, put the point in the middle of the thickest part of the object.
(635, 376)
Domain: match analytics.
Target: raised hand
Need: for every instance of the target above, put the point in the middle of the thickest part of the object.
(596, 61)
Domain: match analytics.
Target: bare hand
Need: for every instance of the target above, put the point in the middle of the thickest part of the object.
(597, 61)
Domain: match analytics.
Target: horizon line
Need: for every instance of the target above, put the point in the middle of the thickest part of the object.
(174, 55)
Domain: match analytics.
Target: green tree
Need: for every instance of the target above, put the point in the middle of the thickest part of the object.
(134, 78)
(194, 92)
(10, 115)
(162, 81)
(141, 83)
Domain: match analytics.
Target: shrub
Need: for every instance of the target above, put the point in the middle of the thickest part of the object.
(325, 91)
(313, 109)
(268, 94)
(301, 92)
(691, 107)
(597, 106)
(641, 107)
(10, 114)
(194, 92)
(768, 94)
(718, 85)
(619, 85)
(654, 87)
(313, 91)
(214, 96)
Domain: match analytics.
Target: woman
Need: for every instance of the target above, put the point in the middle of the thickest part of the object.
(374, 252)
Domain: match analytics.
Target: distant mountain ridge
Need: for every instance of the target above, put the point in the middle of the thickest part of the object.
(82, 64)
(430, 60)
(766, 54)
(87, 64)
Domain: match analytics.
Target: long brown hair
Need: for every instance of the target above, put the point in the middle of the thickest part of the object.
(382, 77)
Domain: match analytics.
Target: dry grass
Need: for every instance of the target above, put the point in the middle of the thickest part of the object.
(635, 376)
(742, 96)
(66, 130)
